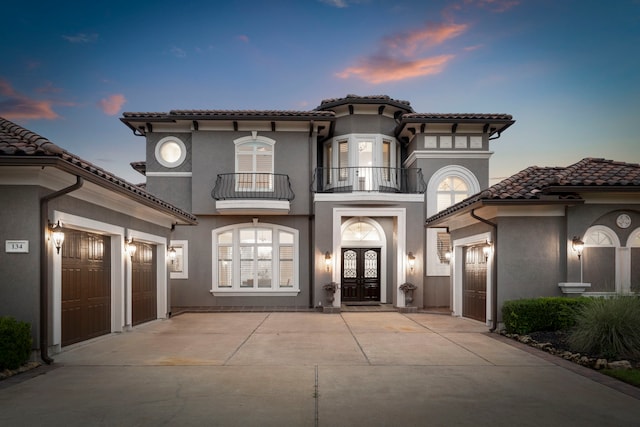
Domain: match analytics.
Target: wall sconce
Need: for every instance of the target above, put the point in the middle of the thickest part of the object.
(578, 245)
(57, 236)
(130, 247)
(412, 260)
(327, 260)
(448, 255)
(486, 250)
(172, 254)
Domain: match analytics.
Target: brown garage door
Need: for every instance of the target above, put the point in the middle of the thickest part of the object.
(144, 295)
(474, 285)
(86, 286)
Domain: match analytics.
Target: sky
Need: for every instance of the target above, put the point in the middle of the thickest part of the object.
(567, 70)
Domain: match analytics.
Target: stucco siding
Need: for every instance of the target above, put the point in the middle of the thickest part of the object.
(20, 272)
(531, 258)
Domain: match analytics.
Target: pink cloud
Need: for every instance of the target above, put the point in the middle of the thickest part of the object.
(112, 104)
(17, 106)
(381, 69)
(243, 38)
(399, 56)
(434, 35)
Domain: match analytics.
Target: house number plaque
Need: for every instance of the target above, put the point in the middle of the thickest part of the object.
(16, 246)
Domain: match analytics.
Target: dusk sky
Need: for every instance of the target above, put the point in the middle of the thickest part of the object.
(567, 70)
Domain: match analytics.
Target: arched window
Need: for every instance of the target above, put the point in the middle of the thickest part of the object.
(634, 247)
(255, 258)
(361, 232)
(599, 259)
(254, 163)
(448, 186)
(451, 190)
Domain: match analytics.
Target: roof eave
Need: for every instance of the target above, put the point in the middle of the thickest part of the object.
(75, 170)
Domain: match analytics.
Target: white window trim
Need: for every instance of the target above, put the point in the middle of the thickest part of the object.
(184, 244)
(434, 266)
(183, 152)
(254, 138)
(235, 289)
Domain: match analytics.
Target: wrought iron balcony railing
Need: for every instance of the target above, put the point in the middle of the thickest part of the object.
(371, 179)
(269, 186)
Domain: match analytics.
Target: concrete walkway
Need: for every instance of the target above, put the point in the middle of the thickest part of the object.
(308, 369)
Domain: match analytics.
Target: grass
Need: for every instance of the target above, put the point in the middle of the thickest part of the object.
(628, 376)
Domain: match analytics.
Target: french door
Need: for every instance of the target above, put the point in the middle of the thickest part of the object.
(360, 274)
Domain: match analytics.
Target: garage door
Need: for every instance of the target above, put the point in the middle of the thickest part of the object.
(86, 286)
(144, 295)
(474, 285)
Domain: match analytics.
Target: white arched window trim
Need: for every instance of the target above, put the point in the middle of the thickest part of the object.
(634, 239)
(258, 175)
(622, 255)
(235, 289)
(434, 266)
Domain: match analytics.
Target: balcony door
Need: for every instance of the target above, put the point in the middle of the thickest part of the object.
(363, 170)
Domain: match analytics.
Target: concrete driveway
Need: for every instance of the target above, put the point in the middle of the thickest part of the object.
(312, 369)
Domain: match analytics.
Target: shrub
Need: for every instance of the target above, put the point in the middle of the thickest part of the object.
(15, 343)
(541, 314)
(609, 328)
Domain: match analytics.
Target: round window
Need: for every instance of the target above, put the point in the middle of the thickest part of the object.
(170, 152)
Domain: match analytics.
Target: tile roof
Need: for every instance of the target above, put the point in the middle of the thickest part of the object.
(370, 99)
(534, 183)
(455, 116)
(18, 142)
(230, 114)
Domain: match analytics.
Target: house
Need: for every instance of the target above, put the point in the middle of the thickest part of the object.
(316, 208)
(84, 253)
(542, 232)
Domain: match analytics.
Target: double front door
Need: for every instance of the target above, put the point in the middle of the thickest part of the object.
(360, 274)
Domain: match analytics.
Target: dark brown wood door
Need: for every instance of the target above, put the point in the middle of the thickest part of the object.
(474, 285)
(86, 286)
(144, 295)
(360, 274)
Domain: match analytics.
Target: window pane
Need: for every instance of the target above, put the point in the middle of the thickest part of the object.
(225, 266)
(264, 236)
(225, 237)
(386, 159)
(264, 273)
(286, 238)
(343, 159)
(444, 247)
(247, 236)
(444, 201)
(245, 163)
(459, 185)
(286, 266)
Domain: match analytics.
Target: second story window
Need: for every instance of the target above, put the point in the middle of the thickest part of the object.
(254, 164)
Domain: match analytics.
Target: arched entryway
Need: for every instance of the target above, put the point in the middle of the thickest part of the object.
(362, 262)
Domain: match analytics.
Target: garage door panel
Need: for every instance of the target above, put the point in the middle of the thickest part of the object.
(144, 295)
(86, 287)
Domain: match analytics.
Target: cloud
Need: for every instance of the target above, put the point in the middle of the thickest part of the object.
(243, 38)
(112, 104)
(498, 6)
(17, 106)
(401, 56)
(177, 52)
(81, 38)
(435, 34)
(384, 69)
(336, 3)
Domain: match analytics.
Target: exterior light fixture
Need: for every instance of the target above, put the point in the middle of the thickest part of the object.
(448, 255)
(130, 247)
(577, 245)
(172, 254)
(57, 236)
(327, 260)
(412, 260)
(486, 250)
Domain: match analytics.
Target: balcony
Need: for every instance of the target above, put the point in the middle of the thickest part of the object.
(252, 193)
(368, 179)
